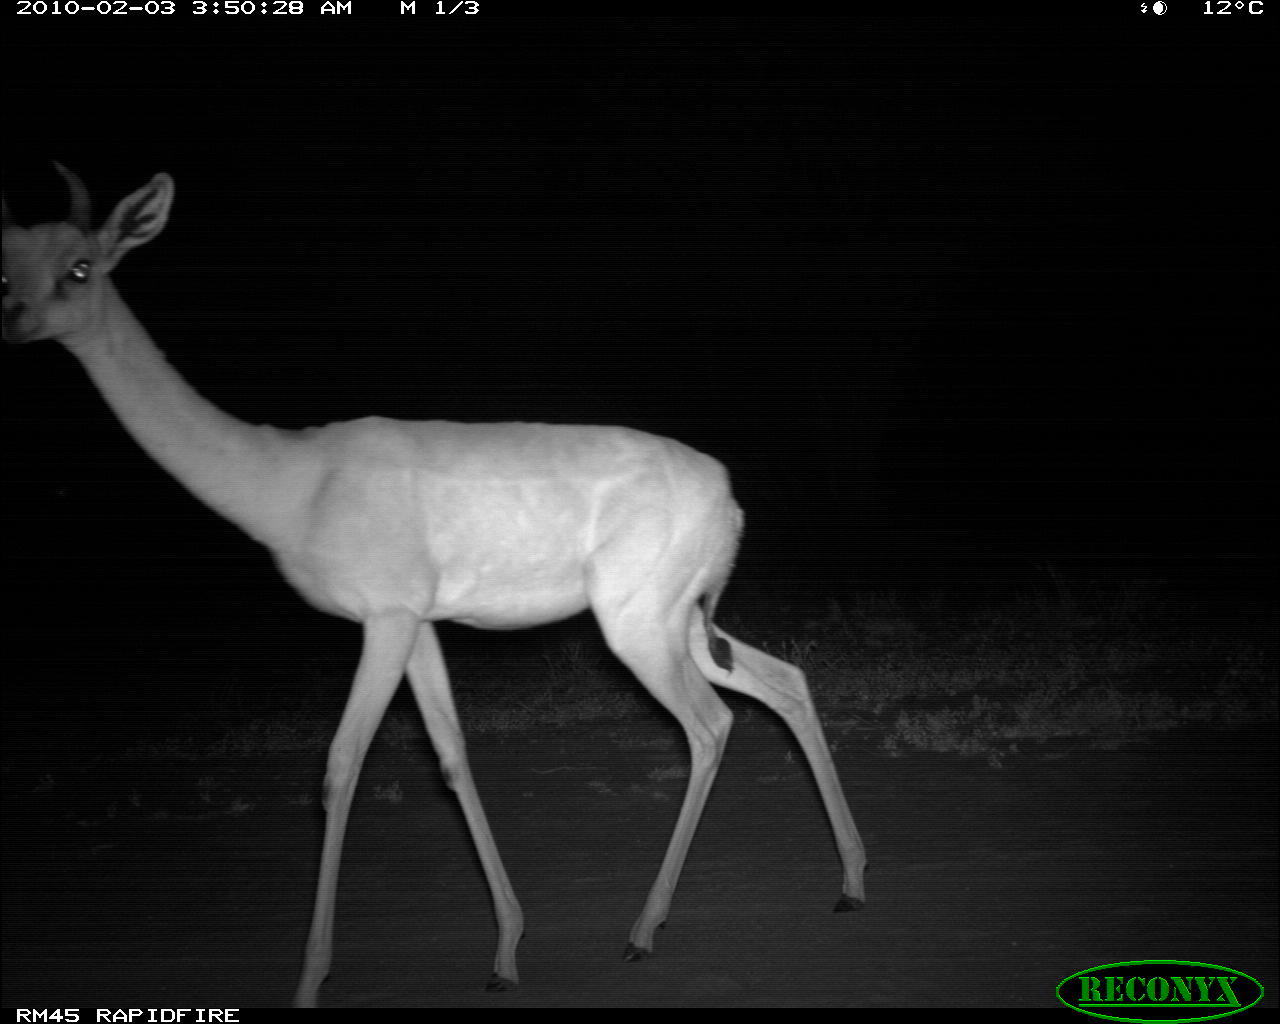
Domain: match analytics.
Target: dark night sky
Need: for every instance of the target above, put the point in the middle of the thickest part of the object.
(931, 289)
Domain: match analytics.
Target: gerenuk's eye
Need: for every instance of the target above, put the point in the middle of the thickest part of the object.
(80, 271)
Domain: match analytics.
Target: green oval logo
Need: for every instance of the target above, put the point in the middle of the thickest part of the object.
(1164, 990)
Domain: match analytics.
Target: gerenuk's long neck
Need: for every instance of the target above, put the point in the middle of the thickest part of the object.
(233, 467)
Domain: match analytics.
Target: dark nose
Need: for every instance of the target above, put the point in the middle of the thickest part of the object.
(11, 316)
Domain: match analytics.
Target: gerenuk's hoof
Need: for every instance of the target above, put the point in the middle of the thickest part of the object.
(497, 983)
(847, 903)
(635, 953)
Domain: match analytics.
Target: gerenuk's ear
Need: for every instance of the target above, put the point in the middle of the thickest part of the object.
(137, 218)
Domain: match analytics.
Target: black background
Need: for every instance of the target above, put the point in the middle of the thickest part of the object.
(962, 298)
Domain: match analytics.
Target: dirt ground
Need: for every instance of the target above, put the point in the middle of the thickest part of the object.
(150, 884)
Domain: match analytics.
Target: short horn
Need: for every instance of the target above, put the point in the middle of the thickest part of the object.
(80, 205)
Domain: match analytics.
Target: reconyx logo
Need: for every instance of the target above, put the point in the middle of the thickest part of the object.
(1163, 990)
